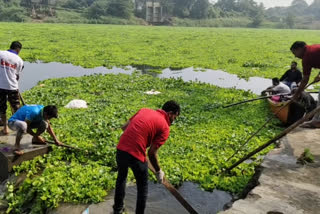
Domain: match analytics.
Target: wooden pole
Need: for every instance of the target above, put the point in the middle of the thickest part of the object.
(251, 100)
(175, 192)
(21, 98)
(270, 118)
(283, 133)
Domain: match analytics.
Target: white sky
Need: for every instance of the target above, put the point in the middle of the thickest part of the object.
(274, 3)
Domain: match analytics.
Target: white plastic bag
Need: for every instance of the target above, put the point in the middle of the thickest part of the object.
(77, 104)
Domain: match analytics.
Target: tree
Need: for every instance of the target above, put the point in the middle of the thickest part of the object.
(200, 9)
(227, 5)
(289, 20)
(120, 8)
(298, 7)
(314, 9)
(257, 19)
(97, 9)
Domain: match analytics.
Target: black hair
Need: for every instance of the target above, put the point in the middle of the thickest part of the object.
(172, 106)
(15, 45)
(51, 111)
(276, 79)
(298, 44)
(294, 62)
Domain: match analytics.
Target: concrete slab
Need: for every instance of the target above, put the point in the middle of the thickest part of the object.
(8, 159)
(285, 186)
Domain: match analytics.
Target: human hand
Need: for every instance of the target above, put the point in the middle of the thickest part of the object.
(58, 143)
(160, 176)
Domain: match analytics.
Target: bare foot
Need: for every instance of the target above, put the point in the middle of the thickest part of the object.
(38, 140)
(18, 152)
(4, 132)
(311, 125)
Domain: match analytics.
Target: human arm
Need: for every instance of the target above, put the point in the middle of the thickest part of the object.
(284, 76)
(29, 129)
(51, 133)
(303, 83)
(153, 158)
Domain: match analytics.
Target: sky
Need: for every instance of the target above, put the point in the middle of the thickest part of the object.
(274, 3)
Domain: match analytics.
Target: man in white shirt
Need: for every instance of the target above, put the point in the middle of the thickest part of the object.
(277, 87)
(11, 66)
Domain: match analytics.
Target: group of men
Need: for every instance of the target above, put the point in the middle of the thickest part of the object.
(28, 117)
(147, 128)
(289, 81)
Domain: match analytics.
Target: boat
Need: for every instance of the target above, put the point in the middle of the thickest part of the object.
(276, 106)
(289, 114)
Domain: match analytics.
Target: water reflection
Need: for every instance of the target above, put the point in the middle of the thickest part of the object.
(35, 72)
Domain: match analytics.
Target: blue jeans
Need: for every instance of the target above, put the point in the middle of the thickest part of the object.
(140, 171)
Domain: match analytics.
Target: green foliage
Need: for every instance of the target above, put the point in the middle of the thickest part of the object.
(306, 157)
(120, 8)
(200, 141)
(98, 9)
(245, 52)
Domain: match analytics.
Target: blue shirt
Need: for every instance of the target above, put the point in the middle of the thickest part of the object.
(33, 113)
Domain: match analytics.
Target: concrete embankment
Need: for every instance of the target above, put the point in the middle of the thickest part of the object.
(285, 186)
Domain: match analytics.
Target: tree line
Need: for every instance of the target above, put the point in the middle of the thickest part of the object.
(17, 10)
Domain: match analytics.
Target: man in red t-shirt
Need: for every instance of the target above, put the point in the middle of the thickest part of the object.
(310, 55)
(147, 128)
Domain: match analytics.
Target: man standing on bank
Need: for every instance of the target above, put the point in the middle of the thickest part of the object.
(30, 117)
(310, 55)
(147, 128)
(11, 66)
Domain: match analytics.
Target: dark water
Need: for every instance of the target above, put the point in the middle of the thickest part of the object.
(160, 200)
(34, 72)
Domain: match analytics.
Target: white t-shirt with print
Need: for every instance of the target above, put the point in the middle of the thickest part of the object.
(10, 66)
(281, 88)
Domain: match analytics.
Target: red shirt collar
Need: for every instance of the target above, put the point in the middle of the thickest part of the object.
(165, 115)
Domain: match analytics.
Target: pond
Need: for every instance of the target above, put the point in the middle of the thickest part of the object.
(160, 199)
(35, 72)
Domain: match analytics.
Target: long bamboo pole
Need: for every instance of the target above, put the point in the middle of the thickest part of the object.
(283, 133)
(264, 125)
(175, 192)
(251, 100)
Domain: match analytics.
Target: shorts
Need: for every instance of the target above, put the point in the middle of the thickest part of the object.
(9, 95)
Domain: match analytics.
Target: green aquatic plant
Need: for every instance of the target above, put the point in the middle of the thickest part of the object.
(200, 142)
(245, 52)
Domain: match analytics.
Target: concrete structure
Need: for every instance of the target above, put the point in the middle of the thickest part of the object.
(285, 186)
(153, 12)
(8, 159)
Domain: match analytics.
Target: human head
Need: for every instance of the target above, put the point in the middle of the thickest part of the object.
(294, 65)
(172, 108)
(50, 112)
(298, 49)
(275, 81)
(16, 46)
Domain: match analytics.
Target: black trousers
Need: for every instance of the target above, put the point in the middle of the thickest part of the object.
(140, 171)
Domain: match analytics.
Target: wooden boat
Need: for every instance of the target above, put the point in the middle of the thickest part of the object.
(289, 114)
(275, 107)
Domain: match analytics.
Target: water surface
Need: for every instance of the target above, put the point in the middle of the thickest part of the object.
(35, 72)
